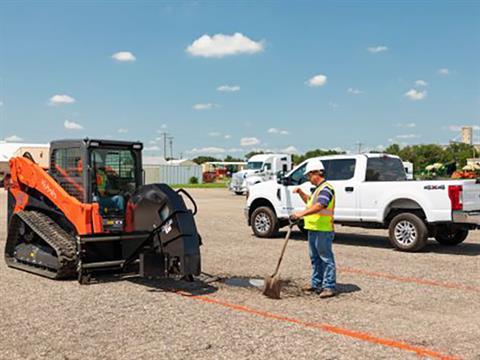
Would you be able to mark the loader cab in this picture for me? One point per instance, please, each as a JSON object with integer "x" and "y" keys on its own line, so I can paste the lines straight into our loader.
{"x": 99, "y": 171}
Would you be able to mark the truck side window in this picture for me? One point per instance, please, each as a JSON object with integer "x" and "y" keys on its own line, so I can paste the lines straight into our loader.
{"x": 66, "y": 168}
{"x": 297, "y": 177}
{"x": 341, "y": 169}
{"x": 385, "y": 169}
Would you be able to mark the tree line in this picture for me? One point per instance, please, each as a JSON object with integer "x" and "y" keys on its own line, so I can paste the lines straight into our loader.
{"x": 454, "y": 155}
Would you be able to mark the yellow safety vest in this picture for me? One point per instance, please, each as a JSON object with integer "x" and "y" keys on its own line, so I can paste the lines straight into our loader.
{"x": 323, "y": 220}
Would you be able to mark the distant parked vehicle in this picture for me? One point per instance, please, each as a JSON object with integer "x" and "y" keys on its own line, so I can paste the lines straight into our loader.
{"x": 372, "y": 191}
{"x": 260, "y": 168}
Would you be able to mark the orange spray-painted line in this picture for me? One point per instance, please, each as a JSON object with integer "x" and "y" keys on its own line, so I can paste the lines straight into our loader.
{"x": 325, "y": 327}
{"x": 404, "y": 279}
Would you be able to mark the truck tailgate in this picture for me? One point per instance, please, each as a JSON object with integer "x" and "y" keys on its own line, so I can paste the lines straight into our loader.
{"x": 471, "y": 196}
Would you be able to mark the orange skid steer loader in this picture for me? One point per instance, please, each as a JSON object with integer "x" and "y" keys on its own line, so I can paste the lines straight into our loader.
{"x": 90, "y": 212}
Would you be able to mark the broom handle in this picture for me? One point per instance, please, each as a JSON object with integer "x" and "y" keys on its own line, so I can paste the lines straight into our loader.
{"x": 283, "y": 249}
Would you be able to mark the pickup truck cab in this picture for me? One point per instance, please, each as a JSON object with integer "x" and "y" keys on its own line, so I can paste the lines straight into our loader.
{"x": 372, "y": 191}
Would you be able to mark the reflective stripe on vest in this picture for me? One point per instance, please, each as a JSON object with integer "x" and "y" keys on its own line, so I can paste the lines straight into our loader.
{"x": 323, "y": 220}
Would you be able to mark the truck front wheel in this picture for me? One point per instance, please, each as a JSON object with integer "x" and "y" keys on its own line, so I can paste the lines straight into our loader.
{"x": 447, "y": 235}
{"x": 408, "y": 232}
{"x": 264, "y": 222}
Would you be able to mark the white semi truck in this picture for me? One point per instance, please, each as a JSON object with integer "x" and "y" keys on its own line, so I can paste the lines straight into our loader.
{"x": 262, "y": 167}
{"x": 372, "y": 191}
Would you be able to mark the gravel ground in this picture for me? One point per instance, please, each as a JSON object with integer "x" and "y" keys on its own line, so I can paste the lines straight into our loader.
{"x": 428, "y": 301}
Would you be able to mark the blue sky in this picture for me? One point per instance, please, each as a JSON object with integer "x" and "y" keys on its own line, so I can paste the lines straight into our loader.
{"x": 380, "y": 72}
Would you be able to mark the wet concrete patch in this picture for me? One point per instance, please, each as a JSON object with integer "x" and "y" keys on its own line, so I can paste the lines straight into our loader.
{"x": 244, "y": 282}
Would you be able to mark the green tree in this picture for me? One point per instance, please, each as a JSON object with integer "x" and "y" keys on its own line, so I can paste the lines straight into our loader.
{"x": 202, "y": 159}
{"x": 297, "y": 159}
{"x": 232, "y": 159}
{"x": 252, "y": 153}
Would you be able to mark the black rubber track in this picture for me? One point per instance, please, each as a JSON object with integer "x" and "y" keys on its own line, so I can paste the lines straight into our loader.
{"x": 48, "y": 230}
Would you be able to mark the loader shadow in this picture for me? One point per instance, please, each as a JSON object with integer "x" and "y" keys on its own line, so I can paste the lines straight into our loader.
{"x": 382, "y": 242}
{"x": 187, "y": 288}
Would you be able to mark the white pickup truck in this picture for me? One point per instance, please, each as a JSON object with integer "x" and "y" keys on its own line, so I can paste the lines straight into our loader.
{"x": 372, "y": 192}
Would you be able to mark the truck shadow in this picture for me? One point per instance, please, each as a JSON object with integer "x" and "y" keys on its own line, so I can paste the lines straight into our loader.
{"x": 376, "y": 241}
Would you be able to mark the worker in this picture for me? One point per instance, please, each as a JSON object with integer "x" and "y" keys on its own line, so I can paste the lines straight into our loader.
{"x": 105, "y": 199}
{"x": 318, "y": 220}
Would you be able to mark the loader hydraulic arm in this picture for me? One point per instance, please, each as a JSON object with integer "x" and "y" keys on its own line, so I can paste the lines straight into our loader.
{"x": 27, "y": 174}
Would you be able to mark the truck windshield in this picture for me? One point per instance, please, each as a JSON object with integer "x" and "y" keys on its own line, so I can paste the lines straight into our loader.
{"x": 385, "y": 169}
{"x": 254, "y": 165}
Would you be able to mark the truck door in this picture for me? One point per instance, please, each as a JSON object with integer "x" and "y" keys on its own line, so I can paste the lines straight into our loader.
{"x": 293, "y": 202}
{"x": 340, "y": 174}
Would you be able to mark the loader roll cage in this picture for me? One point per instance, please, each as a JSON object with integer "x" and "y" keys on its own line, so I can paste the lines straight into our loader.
{"x": 75, "y": 165}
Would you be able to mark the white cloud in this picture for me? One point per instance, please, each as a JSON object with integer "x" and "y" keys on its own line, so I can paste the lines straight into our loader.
{"x": 444, "y": 71}
{"x": 122, "y": 131}
{"x": 353, "y": 91}
{"x": 220, "y": 45}
{"x": 1, "y": 103}
{"x": 124, "y": 56}
{"x": 333, "y": 104}
{"x": 61, "y": 99}
{"x": 278, "y": 131}
{"x": 206, "y": 106}
{"x": 317, "y": 80}
{"x": 407, "y": 136}
{"x": 13, "y": 138}
{"x": 290, "y": 150}
{"x": 207, "y": 150}
{"x": 227, "y": 136}
{"x": 71, "y": 125}
{"x": 249, "y": 141}
{"x": 377, "y": 49}
{"x": 416, "y": 95}
{"x": 228, "y": 88}
{"x": 152, "y": 148}
{"x": 421, "y": 83}
{"x": 214, "y": 133}
{"x": 407, "y": 125}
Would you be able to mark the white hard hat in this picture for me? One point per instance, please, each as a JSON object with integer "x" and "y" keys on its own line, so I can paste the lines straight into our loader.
{"x": 314, "y": 165}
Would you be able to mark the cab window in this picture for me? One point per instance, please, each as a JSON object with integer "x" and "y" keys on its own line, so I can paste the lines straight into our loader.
{"x": 297, "y": 177}
{"x": 340, "y": 169}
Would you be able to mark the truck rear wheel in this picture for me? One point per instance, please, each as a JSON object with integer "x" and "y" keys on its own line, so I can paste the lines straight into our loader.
{"x": 408, "y": 232}
{"x": 264, "y": 222}
{"x": 450, "y": 236}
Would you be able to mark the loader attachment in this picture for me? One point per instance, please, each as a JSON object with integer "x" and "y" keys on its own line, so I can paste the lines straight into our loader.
{"x": 160, "y": 236}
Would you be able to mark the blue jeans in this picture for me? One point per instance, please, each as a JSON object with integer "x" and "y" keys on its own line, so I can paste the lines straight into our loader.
{"x": 323, "y": 262}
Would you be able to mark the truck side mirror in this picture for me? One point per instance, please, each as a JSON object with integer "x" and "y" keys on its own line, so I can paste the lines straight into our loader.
{"x": 283, "y": 180}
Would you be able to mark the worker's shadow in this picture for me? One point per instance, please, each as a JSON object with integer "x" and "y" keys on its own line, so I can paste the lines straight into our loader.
{"x": 291, "y": 289}
{"x": 199, "y": 286}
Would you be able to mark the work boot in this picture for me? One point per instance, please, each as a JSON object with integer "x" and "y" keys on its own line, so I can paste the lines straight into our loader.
{"x": 327, "y": 293}
{"x": 311, "y": 289}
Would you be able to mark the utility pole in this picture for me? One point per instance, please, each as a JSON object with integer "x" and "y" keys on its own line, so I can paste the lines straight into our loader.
{"x": 359, "y": 144}
{"x": 164, "y": 136}
{"x": 170, "y": 141}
